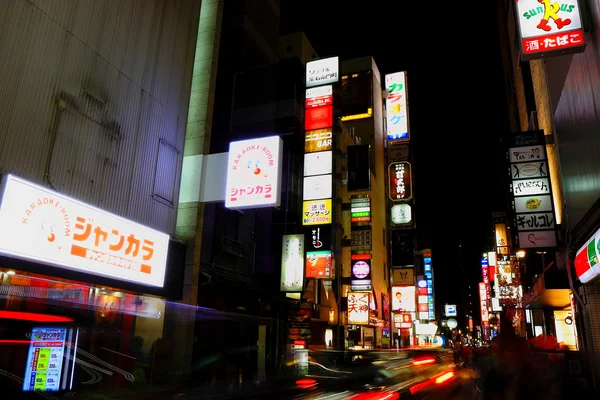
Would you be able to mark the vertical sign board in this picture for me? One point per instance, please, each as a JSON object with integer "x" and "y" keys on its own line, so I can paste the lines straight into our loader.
{"x": 317, "y": 207}
{"x": 396, "y": 105}
{"x": 428, "y": 273}
{"x": 549, "y": 28}
{"x": 400, "y": 181}
{"x": 292, "y": 263}
{"x": 531, "y": 190}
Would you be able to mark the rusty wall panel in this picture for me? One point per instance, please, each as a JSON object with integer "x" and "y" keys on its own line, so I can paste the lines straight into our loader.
{"x": 577, "y": 120}
{"x": 89, "y": 90}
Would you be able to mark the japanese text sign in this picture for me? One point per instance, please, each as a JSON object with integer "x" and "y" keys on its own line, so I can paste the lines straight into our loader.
{"x": 548, "y": 26}
{"x": 45, "y": 360}
{"x": 318, "y": 140}
{"x": 316, "y": 212}
{"x": 292, "y": 263}
{"x": 319, "y": 96}
{"x": 322, "y": 72}
{"x": 400, "y": 181}
{"x": 318, "y": 264}
{"x": 358, "y": 308}
{"x": 42, "y": 225}
{"x": 484, "y": 303}
{"x": 396, "y": 107}
{"x": 254, "y": 173}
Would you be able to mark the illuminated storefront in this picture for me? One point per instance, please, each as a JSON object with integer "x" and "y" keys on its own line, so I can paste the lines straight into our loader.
{"x": 82, "y": 292}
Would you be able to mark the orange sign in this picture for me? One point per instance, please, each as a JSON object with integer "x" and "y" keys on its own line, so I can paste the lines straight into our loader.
{"x": 48, "y": 227}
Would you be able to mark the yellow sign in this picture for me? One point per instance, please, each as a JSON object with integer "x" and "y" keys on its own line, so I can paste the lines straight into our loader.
{"x": 316, "y": 212}
{"x": 318, "y": 140}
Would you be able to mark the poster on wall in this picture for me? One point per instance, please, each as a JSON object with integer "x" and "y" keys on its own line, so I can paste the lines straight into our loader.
{"x": 45, "y": 359}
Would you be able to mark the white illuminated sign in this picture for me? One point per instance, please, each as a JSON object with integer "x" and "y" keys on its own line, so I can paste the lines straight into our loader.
{"x": 396, "y": 107}
{"x": 403, "y": 298}
{"x": 450, "y": 310}
{"x": 322, "y": 72}
{"x": 358, "y": 308}
{"x": 45, "y": 226}
{"x": 528, "y": 187}
{"x": 318, "y": 163}
{"x": 45, "y": 360}
{"x": 292, "y": 263}
{"x": 254, "y": 173}
{"x": 317, "y": 187}
{"x": 401, "y": 214}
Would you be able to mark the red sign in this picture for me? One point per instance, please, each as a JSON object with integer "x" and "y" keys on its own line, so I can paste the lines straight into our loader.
{"x": 318, "y": 118}
{"x": 318, "y": 264}
{"x": 556, "y": 41}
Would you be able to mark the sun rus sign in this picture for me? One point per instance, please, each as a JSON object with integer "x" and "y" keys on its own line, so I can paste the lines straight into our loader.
{"x": 47, "y": 227}
{"x": 254, "y": 173}
{"x": 549, "y": 27}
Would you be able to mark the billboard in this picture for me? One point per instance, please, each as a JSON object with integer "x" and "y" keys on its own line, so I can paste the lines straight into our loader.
{"x": 318, "y": 264}
{"x": 318, "y": 118}
{"x": 319, "y": 163}
{"x": 400, "y": 184}
{"x": 254, "y": 173}
{"x": 359, "y": 308}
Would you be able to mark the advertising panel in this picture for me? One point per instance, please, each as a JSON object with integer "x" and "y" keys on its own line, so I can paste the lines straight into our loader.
{"x": 401, "y": 214}
{"x": 403, "y": 276}
{"x": 360, "y": 209}
{"x": 322, "y": 72}
{"x": 318, "y": 118}
{"x": 361, "y": 269}
{"x": 319, "y": 96}
{"x": 396, "y": 107}
{"x": 318, "y": 140}
{"x": 316, "y": 212}
{"x": 254, "y": 173}
{"x": 45, "y": 360}
{"x": 403, "y": 299}
{"x": 50, "y": 228}
{"x": 534, "y": 218}
{"x": 359, "y": 308}
{"x": 549, "y": 27}
{"x": 318, "y": 187}
{"x": 527, "y": 153}
{"x": 537, "y": 169}
{"x": 292, "y": 263}
{"x": 319, "y": 163}
{"x": 537, "y": 239}
{"x": 318, "y": 264}
{"x": 362, "y": 238}
{"x": 528, "y": 187}
{"x": 450, "y": 310}
{"x": 400, "y": 181}
{"x": 484, "y": 304}
{"x": 317, "y": 237}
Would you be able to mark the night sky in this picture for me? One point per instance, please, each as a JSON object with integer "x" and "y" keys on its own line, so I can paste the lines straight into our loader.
{"x": 457, "y": 109}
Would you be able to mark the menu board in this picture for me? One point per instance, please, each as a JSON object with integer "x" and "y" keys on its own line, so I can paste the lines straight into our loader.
{"x": 45, "y": 360}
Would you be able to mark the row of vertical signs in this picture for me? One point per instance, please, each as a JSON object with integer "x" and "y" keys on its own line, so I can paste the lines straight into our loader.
{"x": 309, "y": 254}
